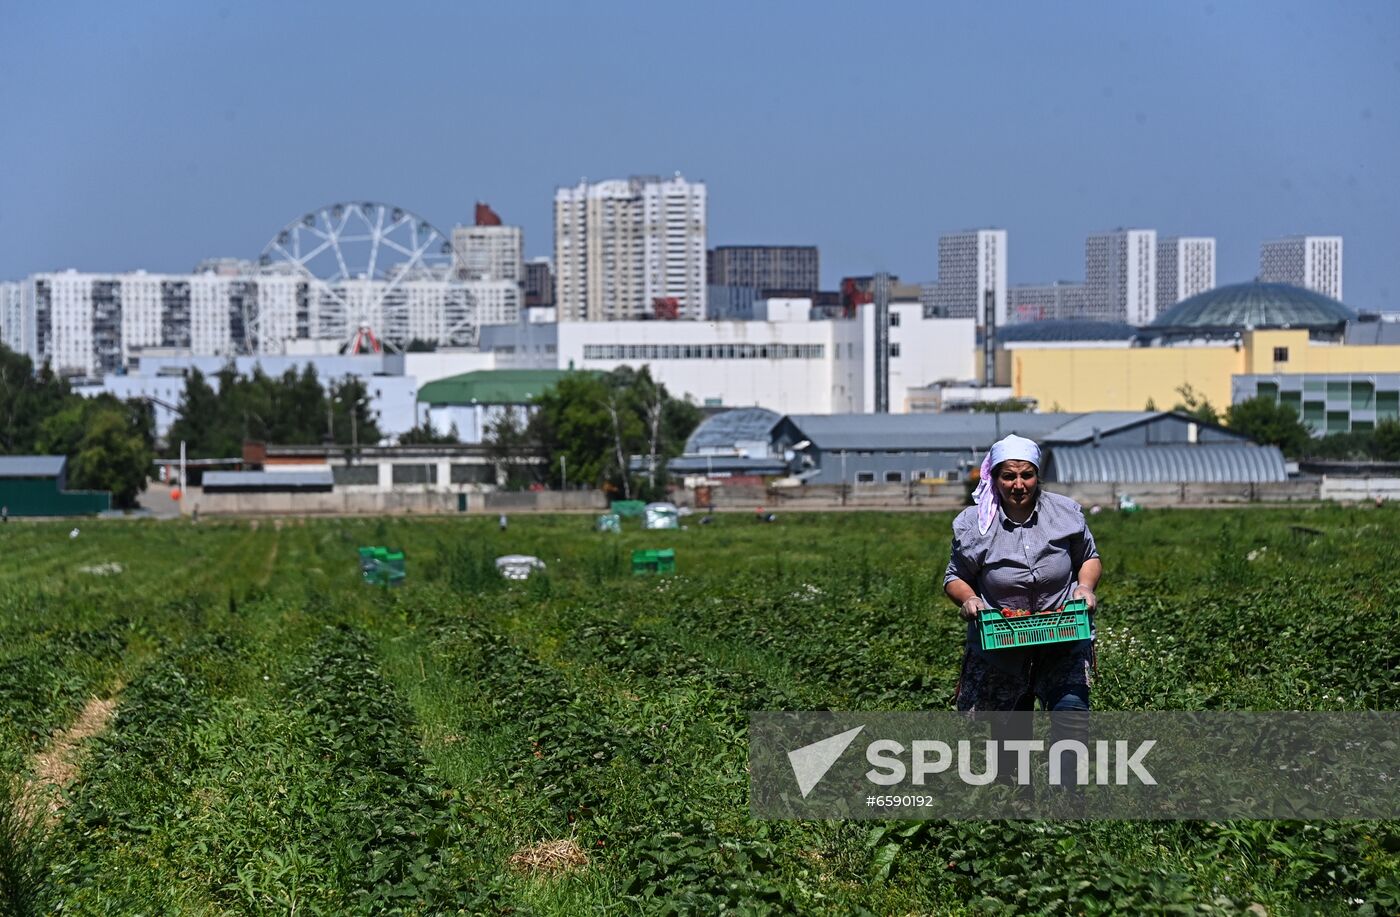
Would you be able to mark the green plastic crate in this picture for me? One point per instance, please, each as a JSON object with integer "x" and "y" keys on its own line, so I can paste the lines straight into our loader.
{"x": 381, "y": 567}
{"x": 657, "y": 561}
{"x": 1069, "y": 623}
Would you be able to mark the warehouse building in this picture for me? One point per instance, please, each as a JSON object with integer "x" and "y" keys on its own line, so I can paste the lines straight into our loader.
{"x": 35, "y": 485}
{"x": 1145, "y": 446}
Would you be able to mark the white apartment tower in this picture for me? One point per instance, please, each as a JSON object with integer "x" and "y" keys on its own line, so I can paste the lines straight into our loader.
{"x": 1185, "y": 267}
{"x": 1311, "y": 262}
{"x": 1120, "y": 275}
{"x": 489, "y": 253}
{"x": 13, "y": 329}
{"x": 624, "y": 249}
{"x": 970, "y": 264}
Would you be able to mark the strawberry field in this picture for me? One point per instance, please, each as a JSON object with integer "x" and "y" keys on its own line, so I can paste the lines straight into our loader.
{"x": 279, "y": 737}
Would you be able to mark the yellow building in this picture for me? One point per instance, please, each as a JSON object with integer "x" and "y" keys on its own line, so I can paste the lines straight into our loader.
{"x": 1219, "y": 334}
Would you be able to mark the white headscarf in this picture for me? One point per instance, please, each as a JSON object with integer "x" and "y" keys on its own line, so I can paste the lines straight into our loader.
{"x": 1011, "y": 448}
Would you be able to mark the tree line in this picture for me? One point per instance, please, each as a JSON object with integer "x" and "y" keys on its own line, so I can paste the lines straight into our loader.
{"x": 295, "y": 408}
{"x": 1270, "y": 423}
{"x": 110, "y": 443}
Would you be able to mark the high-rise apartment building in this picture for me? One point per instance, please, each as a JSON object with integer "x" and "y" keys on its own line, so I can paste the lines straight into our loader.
{"x": 1036, "y": 302}
{"x": 1185, "y": 267}
{"x": 489, "y": 252}
{"x": 969, "y": 265}
{"x": 539, "y": 283}
{"x": 90, "y": 325}
{"x": 791, "y": 268}
{"x": 12, "y": 325}
{"x": 1311, "y": 262}
{"x": 1120, "y": 275}
{"x": 627, "y": 249}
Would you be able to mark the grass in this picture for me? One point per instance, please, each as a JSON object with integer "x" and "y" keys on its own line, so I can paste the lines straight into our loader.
{"x": 291, "y": 740}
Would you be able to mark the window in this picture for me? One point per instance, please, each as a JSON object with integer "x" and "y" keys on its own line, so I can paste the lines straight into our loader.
{"x": 894, "y": 477}
{"x": 894, "y": 350}
{"x": 865, "y": 477}
{"x": 894, "y": 319}
{"x": 1267, "y": 390}
{"x": 1280, "y": 354}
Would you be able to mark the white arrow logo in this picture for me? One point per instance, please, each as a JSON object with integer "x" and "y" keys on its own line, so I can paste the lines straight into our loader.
{"x": 811, "y": 762}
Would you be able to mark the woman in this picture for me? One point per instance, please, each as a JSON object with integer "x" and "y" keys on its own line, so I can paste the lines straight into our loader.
{"x": 1020, "y": 547}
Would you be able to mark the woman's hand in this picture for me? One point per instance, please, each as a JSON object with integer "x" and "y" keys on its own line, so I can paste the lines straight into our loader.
{"x": 1087, "y": 594}
{"x": 969, "y": 609}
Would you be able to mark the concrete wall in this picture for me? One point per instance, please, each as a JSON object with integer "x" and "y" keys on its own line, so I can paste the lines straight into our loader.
{"x": 747, "y": 498}
{"x": 367, "y": 501}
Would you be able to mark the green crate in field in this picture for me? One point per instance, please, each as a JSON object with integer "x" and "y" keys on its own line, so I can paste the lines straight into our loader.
{"x": 381, "y": 567}
{"x": 1000, "y": 632}
{"x": 657, "y": 561}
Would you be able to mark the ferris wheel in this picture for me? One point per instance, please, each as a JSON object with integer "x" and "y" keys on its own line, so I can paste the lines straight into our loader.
{"x": 359, "y": 274}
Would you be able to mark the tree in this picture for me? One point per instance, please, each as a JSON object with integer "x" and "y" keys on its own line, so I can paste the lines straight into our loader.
{"x": 425, "y": 435}
{"x": 1196, "y": 404}
{"x": 595, "y": 423}
{"x": 507, "y": 440}
{"x": 353, "y": 421}
{"x": 108, "y": 443}
{"x": 1269, "y": 423}
{"x": 26, "y": 399}
{"x": 1385, "y": 441}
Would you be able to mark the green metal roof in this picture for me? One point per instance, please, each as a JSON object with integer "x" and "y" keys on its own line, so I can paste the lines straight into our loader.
{"x": 490, "y": 386}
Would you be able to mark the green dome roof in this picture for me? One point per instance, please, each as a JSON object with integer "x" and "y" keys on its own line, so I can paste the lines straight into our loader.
{"x": 1256, "y": 305}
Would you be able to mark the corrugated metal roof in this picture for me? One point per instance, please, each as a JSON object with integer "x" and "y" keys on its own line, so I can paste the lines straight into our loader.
{"x": 920, "y": 431}
{"x": 491, "y": 386}
{"x": 724, "y": 430}
{"x": 1080, "y": 427}
{"x": 31, "y": 466}
{"x": 1373, "y": 332}
{"x": 286, "y": 480}
{"x": 1224, "y": 463}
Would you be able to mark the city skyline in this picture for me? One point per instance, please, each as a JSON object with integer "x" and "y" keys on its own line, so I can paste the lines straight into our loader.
{"x": 1158, "y": 117}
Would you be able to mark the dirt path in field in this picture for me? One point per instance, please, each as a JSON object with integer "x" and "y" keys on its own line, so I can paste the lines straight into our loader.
{"x": 271, "y": 563}
{"x": 57, "y": 764}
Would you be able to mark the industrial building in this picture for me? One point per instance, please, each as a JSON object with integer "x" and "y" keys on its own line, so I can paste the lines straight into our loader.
{"x": 789, "y": 362}
{"x": 1241, "y": 330}
{"x": 1146, "y": 446}
{"x": 36, "y": 485}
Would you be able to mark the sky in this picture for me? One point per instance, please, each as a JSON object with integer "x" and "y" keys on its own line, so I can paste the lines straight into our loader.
{"x": 155, "y": 134}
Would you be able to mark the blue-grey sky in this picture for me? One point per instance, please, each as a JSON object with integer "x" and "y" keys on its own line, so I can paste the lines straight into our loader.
{"x": 156, "y": 133}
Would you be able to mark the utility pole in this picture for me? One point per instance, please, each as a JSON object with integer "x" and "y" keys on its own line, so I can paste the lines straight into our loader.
{"x": 564, "y": 471}
{"x": 183, "y": 485}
